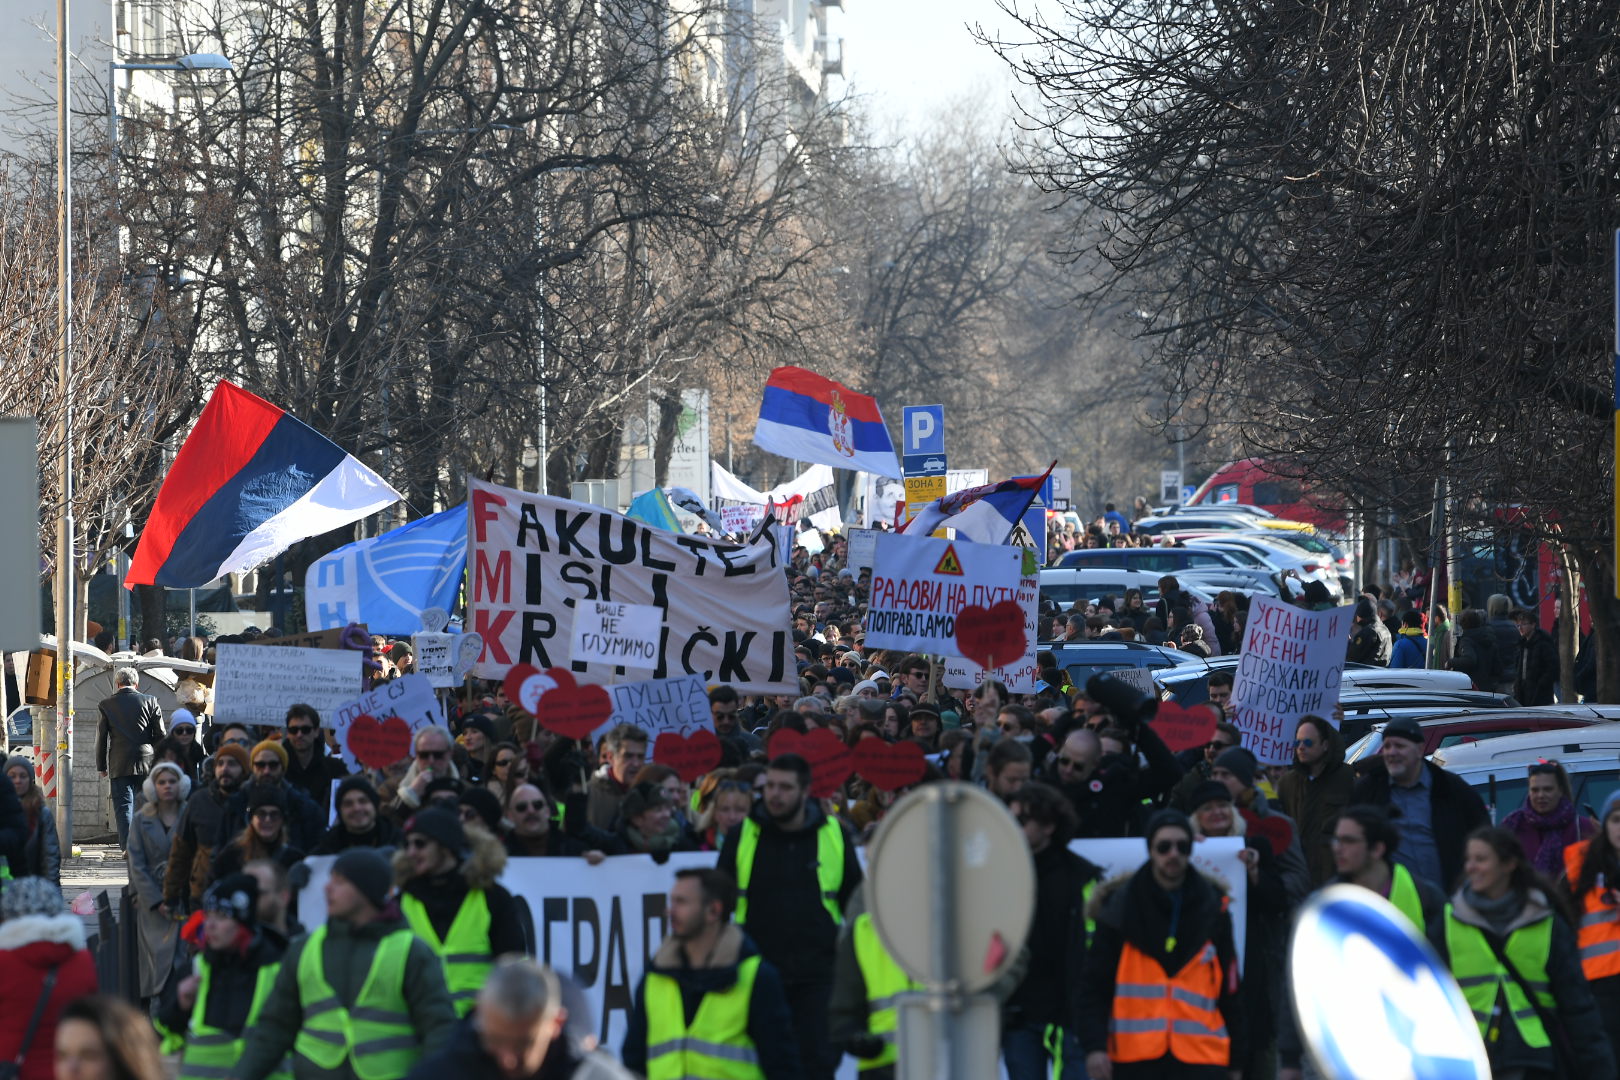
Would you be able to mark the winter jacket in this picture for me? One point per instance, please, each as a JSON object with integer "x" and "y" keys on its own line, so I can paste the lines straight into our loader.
{"x": 233, "y": 979}
{"x": 1282, "y": 835}
{"x": 1576, "y": 1011}
{"x": 130, "y": 724}
{"x": 305, "y": 821}
{"x": 786, "y": 917}
{"x": 1475, "y": 656}
{"x": 442, "y": 894}
{"x": 315, "y": 779}
{"x": 1057, "y": 942}
{"x": 41, "y": 852}
{"x": 30, "y": 946}
{"x": 770, "y": 1026}
{"x": 346, "y": 958}
{"x": 1133, "y": 908}
{"x": 1455, "y": 810}
{"x": 1106, "y": 801}
{"x": 564, "y": 843}
{"x": 1369, "y": 644}
{"x": 464, "y": 1056}
{"x": 159, "y": 933}
{"x": 1506, "y": 634}
{"x": 1411, "y": 649}
{"x": 191, "y": 853}
{"x": 13, "y": 826}
{"x": 604, "y": 794}
{"x": 383, "y": 834}
{"x": 235, "y": 855}
{"x": 1538, "y": 669}
{"x": 1314, "y": 804}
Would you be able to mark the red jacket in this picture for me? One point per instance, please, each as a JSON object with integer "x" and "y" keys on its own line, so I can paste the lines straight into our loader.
{"x": 29, "y": 947}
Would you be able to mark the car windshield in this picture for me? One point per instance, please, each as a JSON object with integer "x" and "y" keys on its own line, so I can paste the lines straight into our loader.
{"x": 1067, "y": 594}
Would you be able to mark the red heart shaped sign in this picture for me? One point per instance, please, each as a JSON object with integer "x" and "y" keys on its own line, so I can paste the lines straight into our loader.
{"x": 689, "y": 755}
{"x": 830, "y": 760}
{"x": 379, "y": 744}
{"x": 991, "y": 636}
{"x": 571, "y": 710}
{"x": 889, "y": 766}
{"x": 1274, "y": 830}
{"x": 525, "y": 684}
{"x": 1182, "y": 729}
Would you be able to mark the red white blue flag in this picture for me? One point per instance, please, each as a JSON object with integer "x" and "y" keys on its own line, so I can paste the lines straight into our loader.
{"x": 985, "y": 514}
{"x": 249, "y": 482}
{"x": 810, "y": 418}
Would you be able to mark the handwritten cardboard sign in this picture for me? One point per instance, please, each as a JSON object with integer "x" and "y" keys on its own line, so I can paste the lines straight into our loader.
{"x": 625, "y": 635}
{"x": 1290, "y": 666}
{"x": 254, "y": 685}
{"x": 921, "y": 586}
{"x": 374, "y": 724}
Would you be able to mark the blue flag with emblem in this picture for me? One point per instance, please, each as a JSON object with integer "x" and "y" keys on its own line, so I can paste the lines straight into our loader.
{"x": 386, "y": 581}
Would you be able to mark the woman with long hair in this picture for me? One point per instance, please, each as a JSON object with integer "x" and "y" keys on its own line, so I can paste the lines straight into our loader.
{"x": 103, "y": 1038}
{"x": 508, "y": 767}
{"x": 723, "y": 803}
{"x": 151, "y": 833}
{"x": 266, "y": 835}
{"x": 1592, "y": 869}
{"x": 1511, "y": 948}
{"x": 1548, "y": 822}
{"x": 42, "y": 853}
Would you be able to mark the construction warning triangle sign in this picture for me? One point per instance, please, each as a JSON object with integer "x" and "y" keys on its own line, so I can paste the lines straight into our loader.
{"x": 948, "y": 562}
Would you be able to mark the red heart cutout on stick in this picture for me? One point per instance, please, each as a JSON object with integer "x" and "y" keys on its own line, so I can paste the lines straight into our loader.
{"x": 830, "y": 760}
{"x": 689, "y": 755}
{"x": 377, "y": 744}
{"x": 991, "y": 636}
{"x": 1182, "y": 729}
{"x": 889, "y": 766}
{"x": 1273, "y": 830}
{"x": 525, "y": 684}
{"x": 568, "y": 709}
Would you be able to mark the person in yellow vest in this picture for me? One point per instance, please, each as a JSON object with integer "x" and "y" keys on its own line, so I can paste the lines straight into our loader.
{"x": 1592, "y": 877}
{"x": 359, "y": 998}
{"x": 212, "y": 1008}
{"x": 710, "y": 1007}
{"x": 863, "y": 1012}
{"x": 448, "y": 895}
{"x": 1514, "y": 956}
{"x": 1158, "y": 997}
{"x": 1364, "y": 843}
{"x": 795, "y": 869}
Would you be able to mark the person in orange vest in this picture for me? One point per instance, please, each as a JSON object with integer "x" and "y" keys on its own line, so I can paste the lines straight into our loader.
{"x": 1592, "y": 876}
{"x": 1159, "y": 991}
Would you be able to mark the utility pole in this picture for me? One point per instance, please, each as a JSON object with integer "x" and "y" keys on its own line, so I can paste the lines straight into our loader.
{"x": 66, "y": 587}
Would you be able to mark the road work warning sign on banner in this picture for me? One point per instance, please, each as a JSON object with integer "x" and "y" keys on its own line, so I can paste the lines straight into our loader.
{"x": 1289, "y": 667}
{"x": 920, "y": 585}
{"x": 535, "y": 561}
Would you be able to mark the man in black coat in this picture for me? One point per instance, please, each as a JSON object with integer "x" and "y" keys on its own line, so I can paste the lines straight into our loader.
{"x": 309, "y": 766}
{"x": 130, "y": 725}
{"x": 1538, "y": 661}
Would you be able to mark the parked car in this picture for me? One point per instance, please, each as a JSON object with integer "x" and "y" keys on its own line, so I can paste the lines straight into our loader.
{"x": 1470, "y": 726}
{"x": 1246, "y": 580}
{"x": 1365, "y": 707}
{"x": 1280, "y": 555}
{"x": 1497, "y": 768}
{"x": 1206, "y": 509}
{"x": 1083, "y": 659}
{"x": 1194, "y": 522}
{"x": 1158, "y": 560}
{"x": 1066, "y": 586}
{"x": 1188, "y": 684}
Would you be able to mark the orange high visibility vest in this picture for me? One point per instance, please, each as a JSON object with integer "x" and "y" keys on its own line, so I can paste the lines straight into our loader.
{"x": 1599, "y": 937}
{"x": 1155, "y": 1014}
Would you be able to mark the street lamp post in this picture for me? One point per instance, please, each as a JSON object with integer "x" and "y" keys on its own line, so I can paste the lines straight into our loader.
{"x": 189, "y": 62}
{"x": 65, "y": 587}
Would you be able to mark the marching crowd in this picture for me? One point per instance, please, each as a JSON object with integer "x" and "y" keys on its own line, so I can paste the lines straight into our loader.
{"x": 771, "y": 967}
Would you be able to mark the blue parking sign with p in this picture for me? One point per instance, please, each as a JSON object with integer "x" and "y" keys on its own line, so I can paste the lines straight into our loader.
{"x": 924, "y": 429}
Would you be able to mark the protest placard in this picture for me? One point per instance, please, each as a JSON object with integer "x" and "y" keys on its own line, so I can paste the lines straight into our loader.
{"x": 1022, "y": 677}
{"x": 382, "y": 722}
{"x": 318, "y": 639}
{"x": 1289, "y": 667}
{"x": 922, "y": 585}
{"x": 862, "y": 548}
{"x": 256, "y": 686}
{"x": 609, "y": 632}
{"x": 537, "y": 559}
{"x": 659, "y": 705}
{"x": 741, "y": 520}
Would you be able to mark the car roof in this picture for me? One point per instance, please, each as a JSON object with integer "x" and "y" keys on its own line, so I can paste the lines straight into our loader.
{"x": 1592, "y": 742}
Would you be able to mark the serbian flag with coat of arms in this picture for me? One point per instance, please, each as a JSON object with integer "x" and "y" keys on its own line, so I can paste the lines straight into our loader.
{"x": 811, "y": 418}
{"x": 985, "y": 514}
{"x": 250, "y": 481}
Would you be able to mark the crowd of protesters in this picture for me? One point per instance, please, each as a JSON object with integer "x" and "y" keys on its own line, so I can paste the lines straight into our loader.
{"x": 771, "y": 967}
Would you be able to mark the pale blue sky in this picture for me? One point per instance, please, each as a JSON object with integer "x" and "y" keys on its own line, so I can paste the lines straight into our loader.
{"x": 912, "y": 59}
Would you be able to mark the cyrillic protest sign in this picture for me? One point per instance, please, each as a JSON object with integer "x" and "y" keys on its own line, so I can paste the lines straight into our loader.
{"x": 1024, "y": 676}
{"x": 253, "y": 685}
{"x": 862, "y": 549}
{"x": 536, "y": 559}
{"x": 613, "y": 633}
{"x": 1289, "y": 667}
{"x": 680, "y": 705}
{"x": 921, "y": 584}
{"x": 398, "y": 710}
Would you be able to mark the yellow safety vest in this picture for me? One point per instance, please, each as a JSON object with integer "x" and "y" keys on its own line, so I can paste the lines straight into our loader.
{"x": 1403, "y": 893}
{"x": 1485, "y": 980}
{"x": 829, "y": 866}
{"x": 884, "y": 980}
{"x": 716, "y": 1046}
{"x": 211, "y": 1053}
{"x": 465, "y": 949}
{"x": 376, "y": 1034}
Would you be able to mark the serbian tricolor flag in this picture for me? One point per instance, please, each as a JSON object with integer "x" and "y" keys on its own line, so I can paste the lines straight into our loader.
{"x": 986, "y": 514}
{"x": 249, "y": 482}
{"x": 810, "y": 418}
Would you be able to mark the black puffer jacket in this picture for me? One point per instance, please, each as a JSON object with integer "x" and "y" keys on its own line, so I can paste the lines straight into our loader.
{"x": 233, "y": 976}
{"x": 1057, "y": 941}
